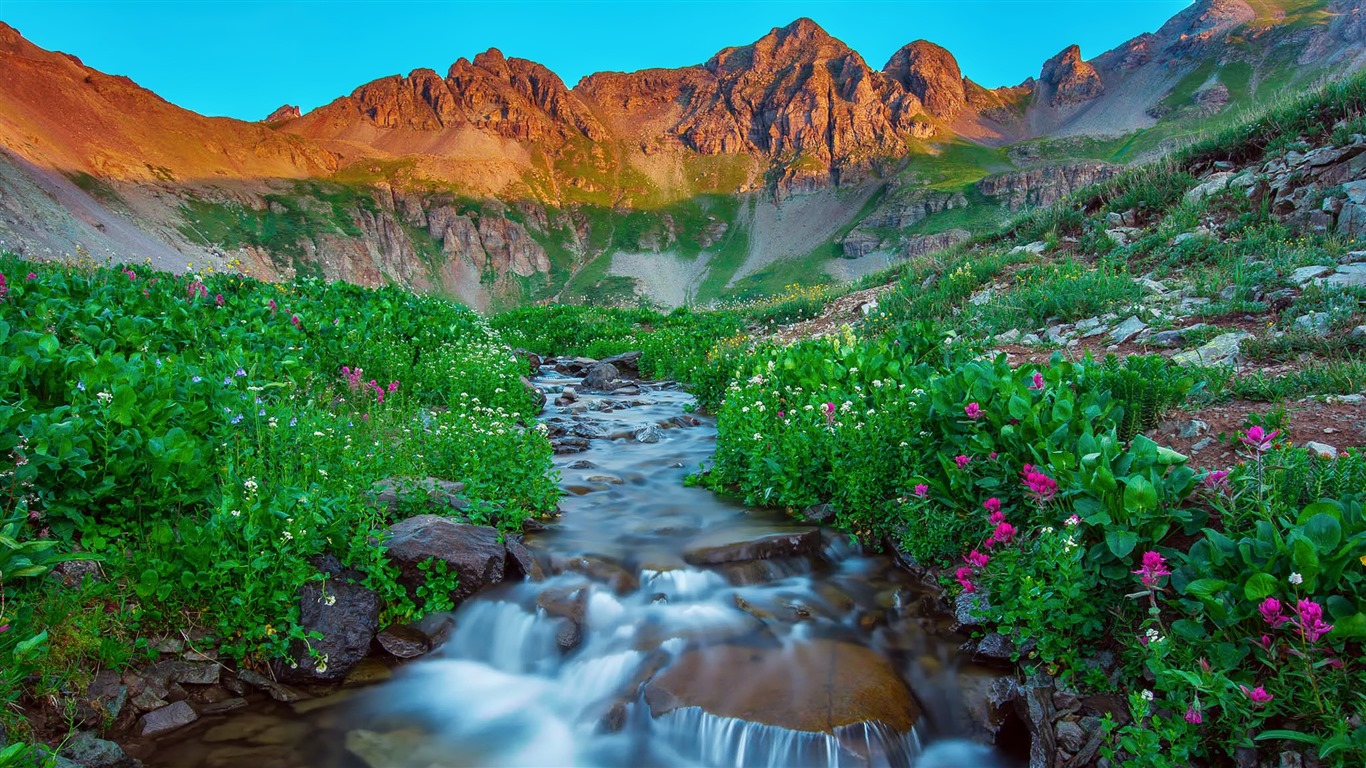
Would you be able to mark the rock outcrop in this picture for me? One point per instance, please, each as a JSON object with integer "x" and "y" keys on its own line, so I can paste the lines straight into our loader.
{"x": 1069, "y": 80}
{"x": 930, "y": 73}
{"x": 282, "y": 113}
{"x": 1045, "y": 185}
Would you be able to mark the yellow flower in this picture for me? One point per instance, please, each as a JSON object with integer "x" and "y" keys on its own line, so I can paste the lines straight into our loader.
{"x": 1363, "y": 559}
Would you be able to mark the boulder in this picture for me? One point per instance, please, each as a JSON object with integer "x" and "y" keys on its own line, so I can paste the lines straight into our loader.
{"x": 1348, "y": 275}
{"x": 471, "y": 552}
{"x": 1304, "y": 275}
{"x": 533, "y": 360}
{"x": 573, "y": 366}
{"x": 403, "y": 641}
{"x": 1221, "y": 350}
{"x": 1317, "y": 323}
{"x": 1322, "y": 450}
{"x": 521, "y": 564}
{"x": 648, "y": 433}
{"x": 626, "y": 363}
{"x": 166, "y": 719}
{"x": 344, "y": 613}
{"x": 816, "y": 686}
{"x": 92, "y": 752}
{"x": 1127, "y": 330}
{"x": 602, "y": 377}
{"x": 796, "y": 543}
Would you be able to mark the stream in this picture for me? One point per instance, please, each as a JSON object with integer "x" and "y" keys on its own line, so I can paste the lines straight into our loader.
{"x": 674, "y": 628}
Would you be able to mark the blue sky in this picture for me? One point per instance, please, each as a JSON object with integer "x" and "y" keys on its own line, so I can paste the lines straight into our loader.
{"x": 243, "y": 59}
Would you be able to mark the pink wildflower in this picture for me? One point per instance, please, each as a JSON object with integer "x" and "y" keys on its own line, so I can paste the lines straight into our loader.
{"x": 1193, "y": 715}
{"x": 1042, "y": 487}
{"x": 1154, "y": 568}
{"x": 272, "y": 306}
{"x": 1073, "y": 521}
{"x": 977, "y": 559}
{"x": 1002, "y": 535}
{"x": 32, "y": 276}
{"x": 4, "y": 627}
{"x": 4, "y": 286}
{"x": 992, "y": 504}
{"x": 1309, "y": 618}
{"x": 1037, "y": 386}
{"x": 973, "y": 411}
{"x": 781, "y": 414}
{"x": 964, "y": 577}
{"x": 962, "y": 461}
{"x": 997, "y": 517}
{"x": 922, "y": 490}
{"x": 296, "y": 322}
{"x": 393, "y": 386}
{"x": 829, "y": 413}
{"x": 1259, "y": 439}
{"x": 1271, "y": 612}
{"x": 1257, "y": 695}
{"x": 1265, "y": 642}
{"x": 218, "y": 299}
{"x": 1217, "y": 480}
{"x": 992, "y": 455}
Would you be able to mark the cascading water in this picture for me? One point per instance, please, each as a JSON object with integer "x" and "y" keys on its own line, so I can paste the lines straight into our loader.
{"x": 679, "y": 629}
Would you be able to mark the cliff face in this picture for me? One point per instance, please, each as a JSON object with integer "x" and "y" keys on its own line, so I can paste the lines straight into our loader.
{"x": 932, "y": 75}
{"x": 1068, "y": 80}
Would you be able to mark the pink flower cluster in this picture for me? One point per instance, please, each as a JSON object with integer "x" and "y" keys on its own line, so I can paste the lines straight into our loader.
{"x": 1259, "y": 439}
{"x": 1217, "y": 480}
{"x": 1037, "y": 385}
{"x": 973, "y": 411}
{"x": 196, "y": 290}
{"x": 1257, "y": 695}
{"x": 829, "y": 409}
{"x": 4, "y": 286}
{"x": 1004, "y": 533}
{"x": 1042, "y": 487}
{"x": 355, "y": 381}
{"x": 1308, "y": 619}
{"x": 1153, "y": 570}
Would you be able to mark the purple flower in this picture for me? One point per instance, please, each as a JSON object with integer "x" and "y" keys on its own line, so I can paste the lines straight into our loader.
{"x": 1271, "y": 612}
{"x": 1193, "y": 715}
{"x": 1037, "y": 386}
{"x": 1259, "y": 439}
{"x": 1217, "y": 480}
{"x": 962, "y": 461}
{"x": 241, "y": 372}
{"x": 922, "y": 490}
{"x": 31, "y": 276}
{"x": 1257, "y": 695}
{"x": 973, "y": 411}
{"x": 1309, "y": 618}
{"x": 195, "y": 379}
{"x": 1154, "y": 568}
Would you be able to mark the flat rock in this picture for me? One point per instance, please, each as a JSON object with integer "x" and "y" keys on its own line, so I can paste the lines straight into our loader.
{"x": 1304, "y": 275}
{"x": 1127, "y": 330}
{"x": 716, "y": 550}
{"x": 1322, "y": 450}
{"x": 166, "y": 719}
{"x": 1221, "y": 350}
{"x": 1347, "y": 276}
{"x": 815, "y": 686}
{"x": 403, "y": 642}
{"x": 472, "y": 552}
{"x": 92, "y": 752}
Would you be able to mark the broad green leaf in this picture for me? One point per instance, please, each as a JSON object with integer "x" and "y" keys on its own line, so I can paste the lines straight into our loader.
{"x": 1260, "y": 586}
{"x": 1121, "y": 542}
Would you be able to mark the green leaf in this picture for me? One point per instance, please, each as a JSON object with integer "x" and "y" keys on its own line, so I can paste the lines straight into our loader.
{"x": 1205, "y": 587}
{"x": 1325, "y": 531}
{"x": 1260, "y": 586}
{"x": 1139, "y": 494}
{"x": 1121, "y": 542}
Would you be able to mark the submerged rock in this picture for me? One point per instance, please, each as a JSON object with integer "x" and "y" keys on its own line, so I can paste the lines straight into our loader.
{"x": 797, "y": 543}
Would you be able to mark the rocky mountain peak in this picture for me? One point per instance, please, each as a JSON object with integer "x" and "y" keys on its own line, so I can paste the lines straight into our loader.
{"x": 932, "y": 74}
{"x": 283, "y": 112}
{"x": 1070, "y": 79}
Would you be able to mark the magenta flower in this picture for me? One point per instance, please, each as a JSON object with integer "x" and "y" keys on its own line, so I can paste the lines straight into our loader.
{"x": 781, "y": 414}
{"x": 1073, "y": 521}
{"x": 992, "y": 455}
{"x": 1193, "y": 715}
{"x": 296, "y": 322}
{"x": 1042, "y": 487}
{"x": 1266, "y": 643}
{"x": 1002, "y": 535}
{"x": 1037, "y": 386}
{"x": 829, "y": 413}
{"x": 977, "y": 559}
{"x": 962, "y": 461}
{"x": 1309, "y": 618}
{"x": 1154, "y": 568}
{"x": 922, "y": 490}
{"x": 997, "y": 517}
{"x": 1259, "y": 439}
{"x": 1257, "y": 695}
{"x": 992, "y": 504}
{"x": 973, "y": 411}
{"x": 4, "y": 627}
{"x": 218, "y": 299}
{"x": 1271, "y": 612}
{"x": 964, "y": 577}
{"x": 32, "y": 276}
{"x": 1217, "y": 480}
{"x": 4, "y": 286}
{"x": 272, "y": 306}
{"x": 393, "y": 386}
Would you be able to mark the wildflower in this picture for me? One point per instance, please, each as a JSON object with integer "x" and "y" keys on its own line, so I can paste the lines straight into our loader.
{"x": 195, "y": 379}
{"x": 4, "y": 627}
{"x": 272, "y": 306}
{"x": 1257, "y": 695}
{"x": 1154, "y": 568}
{"x": 1216, "y": 480}
{"x": 992, "y": 505}
{"x": 1193, "y": 714}
{"x": 218, "y": 299}
{"x": 1037, "y": 386}
{"x": 241, "y": 372}
{"x": 1309, "y": 618}
{"x": 296, "y": 322}
{"x": 1073, "y": 521}
{"x": 1296, "y": 579}
{"x": 973, "y": 411}
{"x": 1259, "y": 439}
{"x": 4, "y": 286}
{"x": 922, "y": 490}
{"x": 1271, "y": 612}
{"x": 105, "y": 397}
{"x": 992, "y": 456}
{"x": 80, "y": 385}
{"x": 977, "y": 559}
{"x": 1042, "y": 487}
{"x": 1147, "y": 695}
{"x": 997, "y": 517}
{"x": 829, "y": 413}
{"x": 962, "y": 461}
{"x": 393, "y": 386}
{"x": 237, "y": 419}
{"x": 964, "y": 577}
{"x": 1265, "y": 642}
{"x": 1003, "y": 534}
{"x": 236, "y": 513}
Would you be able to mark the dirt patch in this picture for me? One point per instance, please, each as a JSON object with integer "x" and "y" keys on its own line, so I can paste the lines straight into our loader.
{"x": 1336, "y": 423}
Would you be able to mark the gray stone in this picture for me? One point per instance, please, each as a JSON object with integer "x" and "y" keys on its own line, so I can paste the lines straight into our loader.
{"x": 1356, "y": 191}
{"x": 995, "y": 647}
{"x": 1058, "y": 333}
{"x": 278, "y": 691}
{"x": 92, "y": 752}
{"x": 1191, "y": 427}
{"x": 1229, "y": 293}
{"x": 1152, "y": 286}
{"x": 226, "y": 705}
{"x": 403, "y": 641}
{"x": 626, "y": 363}
{"x": 473, "y": 553}
{"x": 978, "y": 298}
{"x": 345, "y": 614}
{"x": 1352, "y": 220}
{"x": 1030, "y": 339}
{"x": 1070, "y": 736}
{"x": 648, "y": 433}
{"x": 1314, "y": 322}
{"x": 439, "y": 496}
{"x": 1221, "y": 350}
{"x": 166, "y": 719}
{"x": 1303, "y": 275}
{"x": 1008, "y": 337}
{"x": 1348, "y": 275}
{"x": 1127, "y": 330}
{"x": 969, "y": 609}
{"x": 1214, "y": 183}
{"x": 1088, "y": 324}
{"x": 1358, "y": 333}
{"x": 601, "y": 377}
{"x": 1035, "y": 248}
{"x": 1202, "y": 445}
{"x": 1322, "y": 450}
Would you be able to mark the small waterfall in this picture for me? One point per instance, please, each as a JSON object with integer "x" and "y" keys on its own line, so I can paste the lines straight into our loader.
{"x": 727, "y": 741}
{"x": 503, "y": 635}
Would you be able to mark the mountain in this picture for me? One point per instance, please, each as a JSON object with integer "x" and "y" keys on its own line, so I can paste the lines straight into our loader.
{"x": 497, "y": 183}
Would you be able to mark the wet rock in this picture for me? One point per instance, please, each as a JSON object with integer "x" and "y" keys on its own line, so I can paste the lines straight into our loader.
{"x": 685, "y": 420}
{"x": 618, "y": 578}
{"x": 277, "y": 691}
{"x": 443, "y": 497}
{"x": 567, "y": 395}
{"x": 568, "y": 635}
{"x": 605, "y": 479}
{"x": 148, "y": 700}
{"x": 226, "y": 705}
{"x": 533, "y": 360}
{"x": 624, "y": 390}
{"x": 471, "y": 552}
{"x": 166, "y": 719}
{"x": 816, "y": 686}
{"x": 818, "y": 513}
{"x": 345, "y": 613}
{"x": 177, "y": 671}
{"x": 537, "y": 395}
{"x": 1070, "y": 736}
{"x": 589, "y": 429}
{"x": 601, "y": 377}
{"x": 648, "y": 433}
{"x": 521, "y": 564}
{"x": 795, "y": 543}
{"x": 627, "y": 364}
{"x": 581, "y": 464}
{"x": 562, "y": 445}
{"x": 969, "y": 609}
{"x": 995, "y": 647}
{"x": 573, "y": 366}
{"x": 403, "y": 641}
{"x": 92, "y": 752}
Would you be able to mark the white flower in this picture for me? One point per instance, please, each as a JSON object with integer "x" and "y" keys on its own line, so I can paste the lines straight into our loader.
{"x": 1147, "y": 695}
{"x": 1295, "y": 578}
{"x": 758, "y": 436}
{"x": 105, "y": 397}
{"x": 236, "y": 513}
{"x": 250, "y": 486}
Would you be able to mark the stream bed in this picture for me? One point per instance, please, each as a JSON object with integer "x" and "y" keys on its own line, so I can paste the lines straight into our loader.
{"x": 673, "y": 628}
